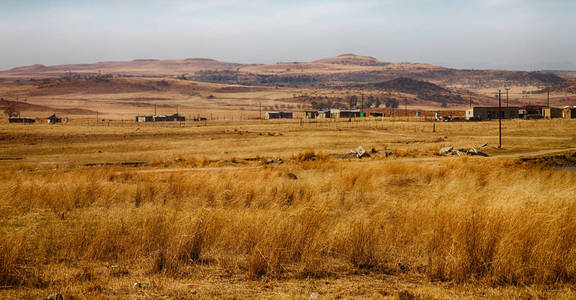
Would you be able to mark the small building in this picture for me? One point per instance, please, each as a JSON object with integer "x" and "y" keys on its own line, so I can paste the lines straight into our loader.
{"x": 154, "y": 118}
{"x": 569, "y": 112}
{"x": 552, "y": 112}
{"x": 140, "y": 119}
{"x": 278, "y": 115}
{"x": 345, "y": 113}
{"x": 311, "y": 114}
{"x": 53, "y": 119}
{"x": 529, "y": 112}
{"x": 21, "y": 120}
{"x": 324, "y": 114}
{"x": 480, "y": 113}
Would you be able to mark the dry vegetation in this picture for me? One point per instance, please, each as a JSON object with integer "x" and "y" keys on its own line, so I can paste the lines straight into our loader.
{"x": 195, "y": 224}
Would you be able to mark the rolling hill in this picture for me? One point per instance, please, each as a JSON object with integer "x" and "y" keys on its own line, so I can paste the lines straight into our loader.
{"x": 341, "y": 70}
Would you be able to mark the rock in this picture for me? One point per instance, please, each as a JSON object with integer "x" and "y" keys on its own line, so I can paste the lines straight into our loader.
{"x": 280, "y": 161}
{"x": 445, "y": 150}
{"x": 55, "y": 296}
{"x": 386, "y": 154}
{"x": 292, "y": 176}
{"x": 314, "y": 295}
{"x": 139, "y": 285}
{"x": 474, "y": 151}
{"x": 373, "y": 151}
{"x": 269, "y": 161}
{"x": 351, "y": 154}
{"x": 359, "y": 152}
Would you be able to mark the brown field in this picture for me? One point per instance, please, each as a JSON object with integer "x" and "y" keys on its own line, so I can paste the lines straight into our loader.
{"x": 239, "y": 207}
{"x": 124, "y": 210}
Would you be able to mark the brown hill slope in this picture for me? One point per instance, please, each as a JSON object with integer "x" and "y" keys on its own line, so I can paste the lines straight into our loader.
{"x": 342, "y": 70}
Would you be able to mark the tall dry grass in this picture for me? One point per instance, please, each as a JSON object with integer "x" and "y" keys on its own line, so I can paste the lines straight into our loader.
{"x": 460, "y": 220}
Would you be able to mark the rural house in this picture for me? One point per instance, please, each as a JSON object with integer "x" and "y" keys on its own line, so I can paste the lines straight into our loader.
{"x": 552, "y": 112}
{"x": 480, "y": 113}
{"x": 278, "y": 115}
{"x": 53, "y": 119}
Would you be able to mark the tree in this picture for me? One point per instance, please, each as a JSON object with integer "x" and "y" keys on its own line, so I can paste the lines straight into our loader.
{"x": 353, "y": 101}
{"x": 11, "y": 110}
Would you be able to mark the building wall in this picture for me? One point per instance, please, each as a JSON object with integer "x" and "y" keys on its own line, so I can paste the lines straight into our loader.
{"x": 569, "y": 113}
{"x": 552, "y": 112}
{"x": 489, "y": 113}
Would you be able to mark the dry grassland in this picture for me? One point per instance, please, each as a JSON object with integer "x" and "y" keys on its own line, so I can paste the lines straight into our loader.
{"x": 199, "y": 220}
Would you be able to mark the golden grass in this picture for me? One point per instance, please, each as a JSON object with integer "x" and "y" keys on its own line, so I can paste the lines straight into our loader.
{"x": 249, "y": 229}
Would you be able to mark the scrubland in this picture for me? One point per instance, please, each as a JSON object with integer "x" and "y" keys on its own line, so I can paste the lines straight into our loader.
{"x": 188, "y": 225}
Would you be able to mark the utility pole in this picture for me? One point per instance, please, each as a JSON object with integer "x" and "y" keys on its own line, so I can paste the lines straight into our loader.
{"x": 548, "y": 96}
{"x": 96, "y": 117}
{"x": 260, "y": 114}
{"x": 362, "y": 105}
{"x": 470, "y": 93}
{"x": 499, "y": 119}
{"x": 507, "y": 89}
{"x": 406, "y": 108}
{"x": 154, "y": 109}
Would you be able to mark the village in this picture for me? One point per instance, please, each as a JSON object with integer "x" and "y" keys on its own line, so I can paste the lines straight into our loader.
{"x": 477, "y": 113}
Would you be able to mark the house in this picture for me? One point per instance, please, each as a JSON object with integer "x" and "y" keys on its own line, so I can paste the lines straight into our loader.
{"x": 21, "y": 120}
{"x": 480, "y": 113}
{"x": 345, "y": 113}
{"x": 53, "y": 119}
{"x": 311, "y": 114}
{"x": 569, "y": 112}
{"x": 278, "y": 115}
{"x": 531, "y": 111}
{"x": 324, "y": 114}
{"x": 552, "y": 112}
{"x": 154, "y": 118}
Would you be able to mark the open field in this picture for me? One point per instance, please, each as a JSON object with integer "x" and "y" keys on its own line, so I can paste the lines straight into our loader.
{"x": 194, "y": 210}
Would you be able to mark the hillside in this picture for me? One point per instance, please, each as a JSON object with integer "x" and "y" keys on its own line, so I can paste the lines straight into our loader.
{"x": 342, "y": 70}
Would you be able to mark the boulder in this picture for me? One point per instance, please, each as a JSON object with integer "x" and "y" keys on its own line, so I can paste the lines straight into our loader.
{"x": 445, "y": 150}
{"x": 55, "y": 296}
{"x": 292, "y": 176}
{"x": 360, "y": 152}
{"x": 474, "y": 151}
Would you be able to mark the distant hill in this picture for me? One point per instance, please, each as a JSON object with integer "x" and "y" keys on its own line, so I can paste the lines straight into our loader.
{"x": 418, "y": 89}
{"x": 342, "y": 70}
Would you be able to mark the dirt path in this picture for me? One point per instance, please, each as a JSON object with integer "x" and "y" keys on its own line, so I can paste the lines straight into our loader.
{"x": 419, "y": 159}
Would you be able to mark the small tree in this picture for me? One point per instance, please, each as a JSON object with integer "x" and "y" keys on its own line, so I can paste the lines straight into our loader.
{"x": 11, "y": 110}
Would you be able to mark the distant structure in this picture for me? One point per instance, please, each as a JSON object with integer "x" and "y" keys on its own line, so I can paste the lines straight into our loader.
{"x": 376, "y": 114}
{"x": 311, "y": 114}
{"x": 569, "y": 112}
{"x": 324, "y": 114}
{"x": 530, "y": 112}
{"x": 480, "y": 113}
{"x": 53, "y": 119}
{"x": 155, "y": 118}
{"x": 278, "y": 115}
{"x": 21, "y": 120}
{"x": 348, "y": 113}
{"x": 552, "y": 112}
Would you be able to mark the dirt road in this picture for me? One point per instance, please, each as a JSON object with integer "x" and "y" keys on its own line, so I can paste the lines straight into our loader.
{"x": 419, "y": 159}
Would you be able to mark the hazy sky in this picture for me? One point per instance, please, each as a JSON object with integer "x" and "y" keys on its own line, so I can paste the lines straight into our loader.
{"x": 521, "y": 34}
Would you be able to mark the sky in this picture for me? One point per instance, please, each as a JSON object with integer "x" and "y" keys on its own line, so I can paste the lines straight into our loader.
{"x": 478, "y": 34}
